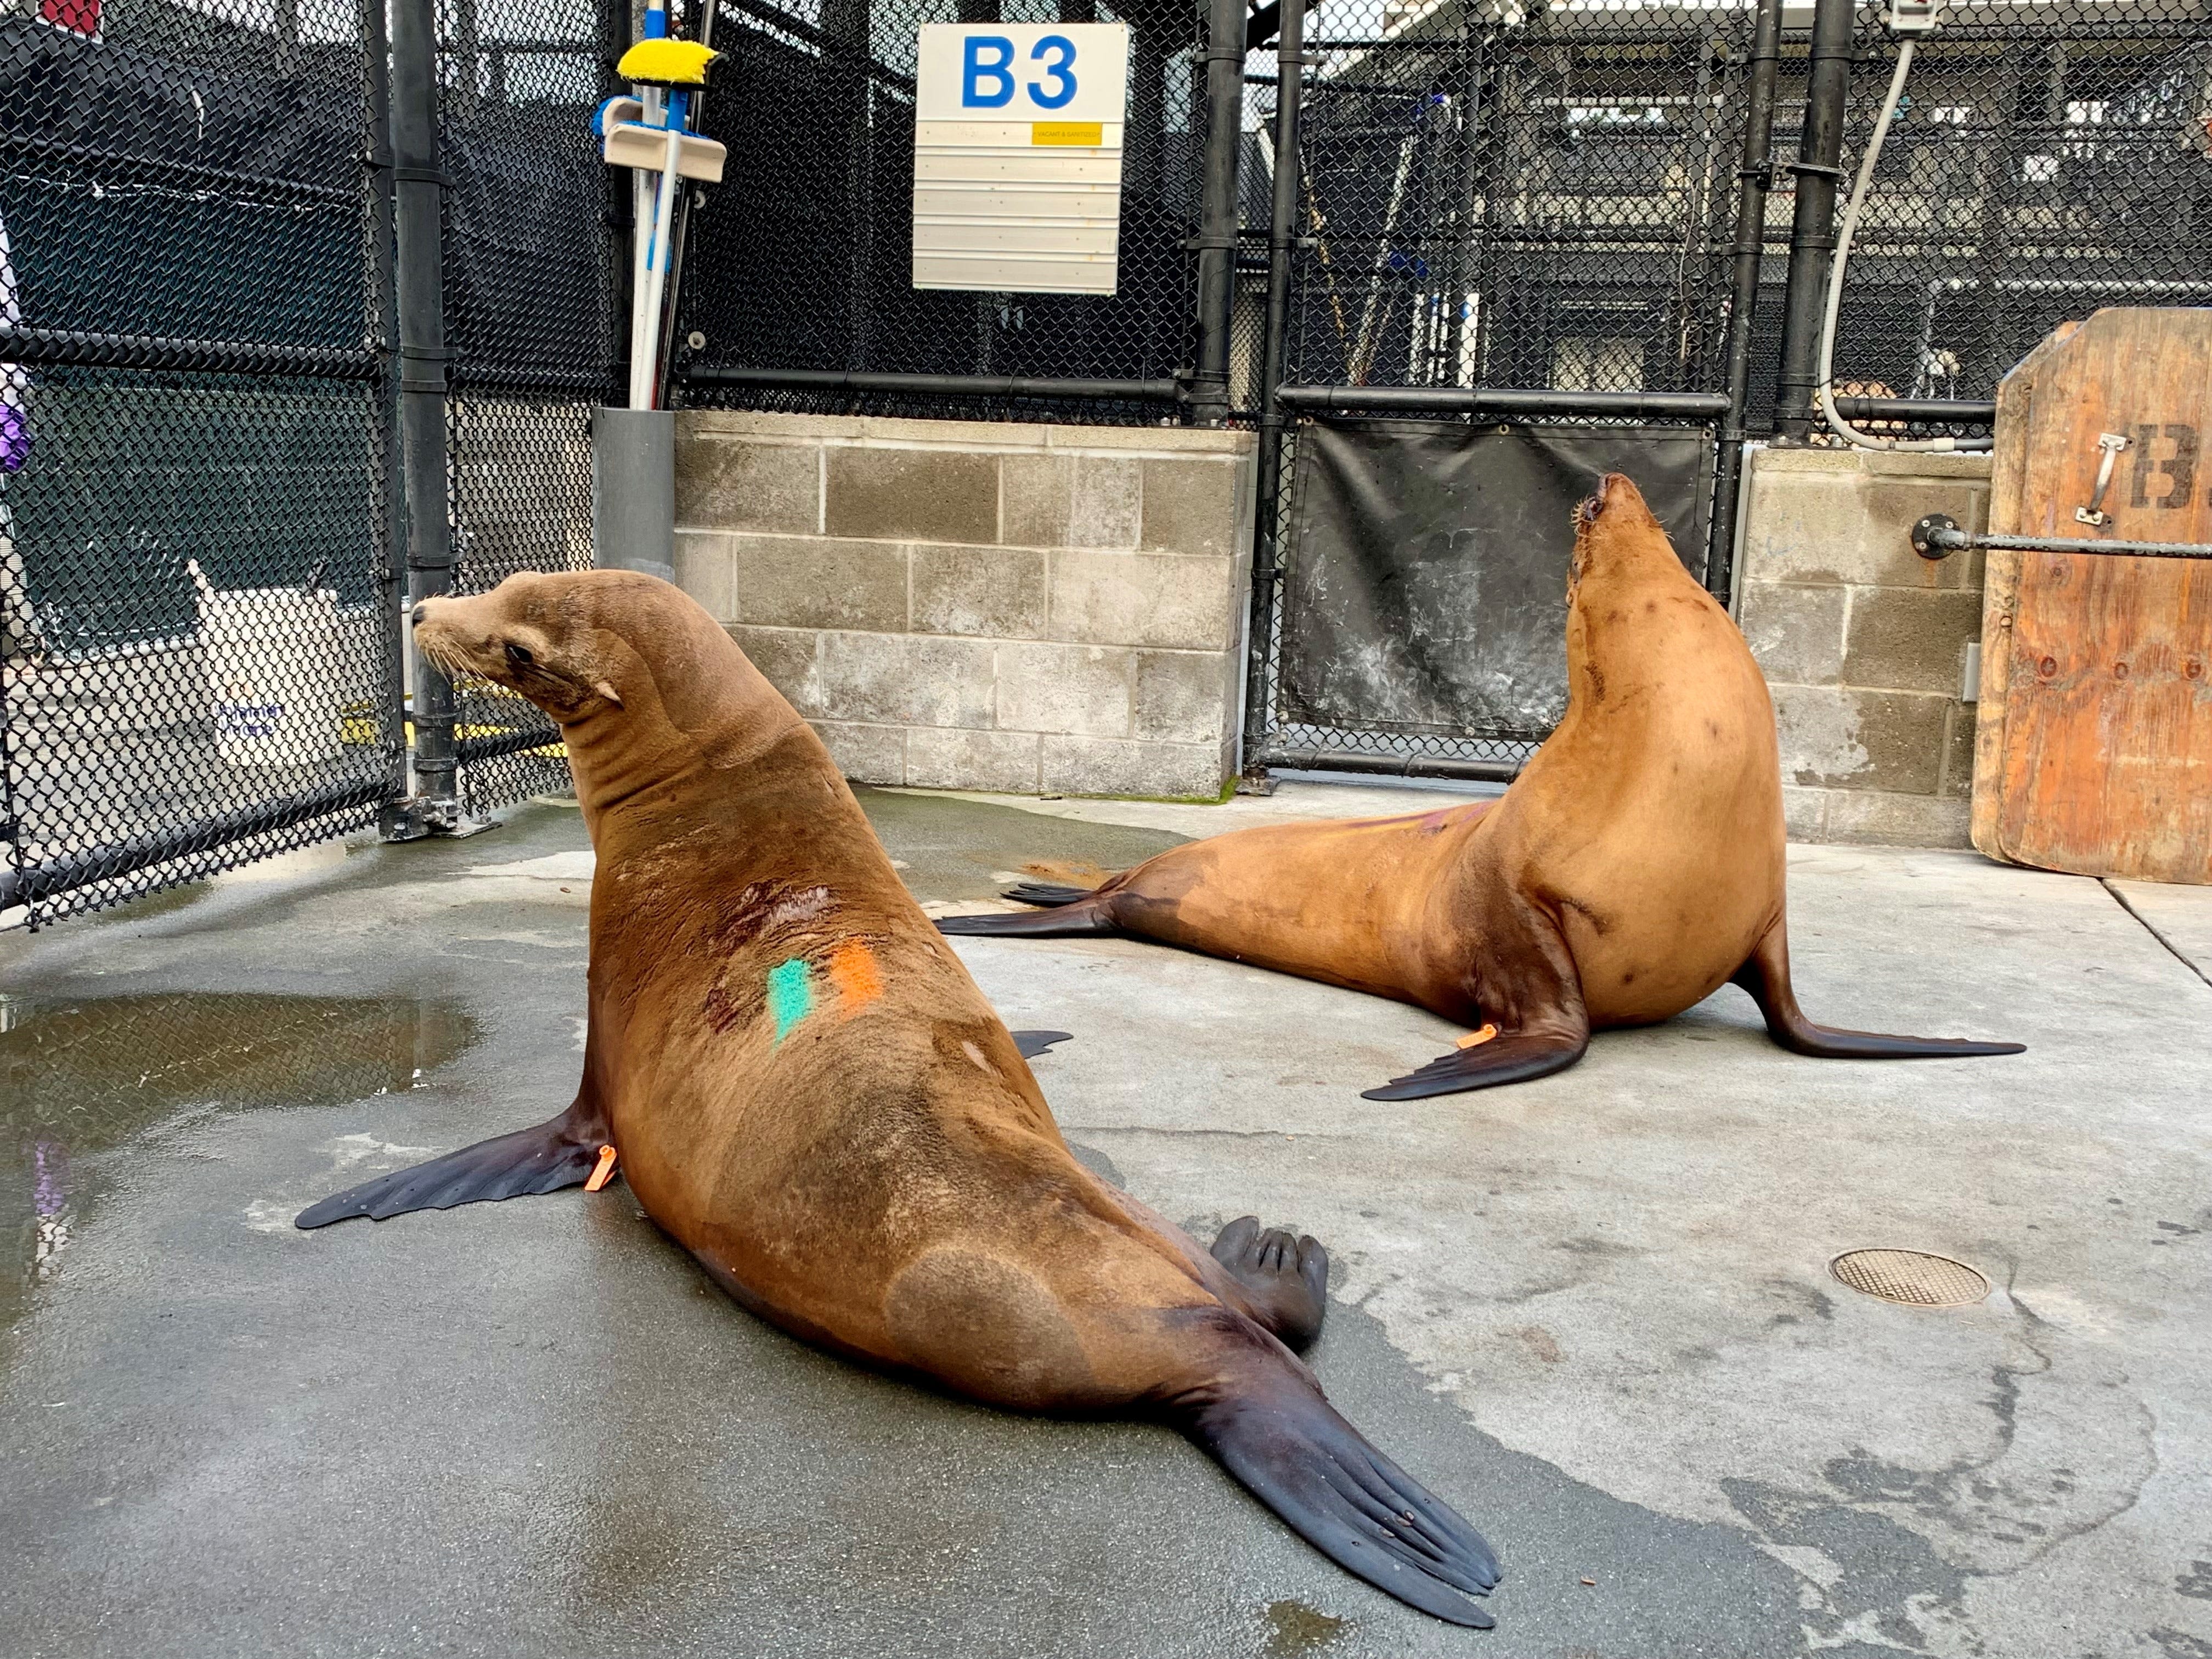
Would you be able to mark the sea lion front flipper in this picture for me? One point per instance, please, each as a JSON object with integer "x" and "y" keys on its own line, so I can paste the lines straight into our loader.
{"x": 541, "y": 1159}
{"x": 1271, "y": 1428}
{"x": 1765, "y": 974}
{"x": 1509, "y": 1057}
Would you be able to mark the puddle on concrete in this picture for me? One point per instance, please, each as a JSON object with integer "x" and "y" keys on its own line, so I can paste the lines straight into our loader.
{"x": 950, "y": 848}
{"x": 1295, "y": 1630}
{"x": 80, "y": 1076}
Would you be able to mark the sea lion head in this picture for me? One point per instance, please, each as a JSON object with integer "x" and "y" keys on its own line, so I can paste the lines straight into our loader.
{"x": 545, "y": 636}
{"x": 631, "y": 667}
{"x": 1616, "y": 519}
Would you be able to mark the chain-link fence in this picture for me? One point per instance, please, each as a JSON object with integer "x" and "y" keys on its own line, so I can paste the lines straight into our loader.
{"x": 803, "y": 260}
{"x": 194, "y": 443}
{"x": 2046, "y": 161}
{"x": 534, "y": 305}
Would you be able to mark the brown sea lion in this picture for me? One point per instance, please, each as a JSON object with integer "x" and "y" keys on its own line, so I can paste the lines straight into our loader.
{"x": 807, "y": 1091}
{"x": 1634, "y": 867}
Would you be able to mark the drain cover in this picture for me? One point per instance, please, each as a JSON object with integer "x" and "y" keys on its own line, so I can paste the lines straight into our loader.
{"x": 1912, "y": 1277}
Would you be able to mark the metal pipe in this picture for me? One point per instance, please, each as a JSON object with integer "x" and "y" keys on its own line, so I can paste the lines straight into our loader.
{"x": 392, "y": 564}
{"x": 1961, "y": 411}
{"x": 417, "y": 184}
{"x": 1754, "y": 176}
{"x": 1282, "y": 240}
{"x": 942, "y": 386}
{"x": 1216, "y": 240}
{"x": 1503, "y": 400}
{"x": 1386, "y": 766}
{"x": 1938, "y": 537}
{"x": 1818, "y": 168}
{"x": 34, "y": 882}
{"x": 37, "y": 346}
{"x": 687, "y": 194}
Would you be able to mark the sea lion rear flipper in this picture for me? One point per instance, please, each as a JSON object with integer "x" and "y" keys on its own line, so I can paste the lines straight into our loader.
{"x": 541, "y": 1159}
{"x": 1029, "y": 1044}
{"x": 1085, "y": 912}
{"x": 1274, "y": 1430}
{"x": 1765, "y": 974}
{"x": 1509, "y": 1057}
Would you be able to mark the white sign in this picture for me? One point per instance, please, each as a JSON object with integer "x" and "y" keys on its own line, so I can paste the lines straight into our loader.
{"x": 1017, "y": 156}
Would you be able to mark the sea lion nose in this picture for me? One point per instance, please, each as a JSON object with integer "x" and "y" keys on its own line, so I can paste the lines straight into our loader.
{"x": 416, "y": 615}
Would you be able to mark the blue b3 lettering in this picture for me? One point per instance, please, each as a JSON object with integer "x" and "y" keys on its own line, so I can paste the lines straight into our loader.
{"x": 985, "y": 80}
{"x": 1056, "y": 67}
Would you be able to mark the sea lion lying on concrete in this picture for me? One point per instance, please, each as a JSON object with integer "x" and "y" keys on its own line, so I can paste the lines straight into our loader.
{"x": 1635, "y": 866}
{"x": 807, "y": 1091}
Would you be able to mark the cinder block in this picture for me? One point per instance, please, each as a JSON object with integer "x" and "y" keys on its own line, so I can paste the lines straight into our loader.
{"x": 1107, "y": 508}
{"x": 1908, "y": 641}
{"x": 1190, "y": 507}
{"x": 1958, "y": 752}
{"x": 1184, "y": 697}
{"x": 941, "y": 759}
{"x": 1805, "y": 813}
{"x": 1095, "y": 766}
{"x": 786, "y": 656}
{"x": 866, "y": 754}
{"x": 1846, "y": 516}
{"x": 1796, "y": 632}
{"x": 702, "y": 570}
{"x": 816, "y": 582}
{"x": 1035, "y": 493}
{"x": 994, "y": 592}
{"x": 1166, "y": 439}
{"x": 729, "y": 482}
{"x": 1841, "y": 736}
{"x": 1079, "y": 689}
{"x": 921, "y": 494}
{"x": 896, "y": 679}
{"x": 1876, "y": 818}
{"x": 1143, "y": 598}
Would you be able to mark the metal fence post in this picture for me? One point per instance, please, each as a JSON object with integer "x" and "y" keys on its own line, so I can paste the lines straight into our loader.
{"x": 1753, "y": 178}
{"x": 417, "y": 186}
{"x": 1282, "y": 241}
{"x": 1217, "y": 235}
{"x": 1812, "y": 228}
{"x": 391, "y": 571}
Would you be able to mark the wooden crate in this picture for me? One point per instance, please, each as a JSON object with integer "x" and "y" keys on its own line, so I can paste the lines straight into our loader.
{"x": 2094, "y": 743}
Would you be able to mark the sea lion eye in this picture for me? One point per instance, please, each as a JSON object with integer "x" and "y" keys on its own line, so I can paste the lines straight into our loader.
{"x": 519, "y": 656}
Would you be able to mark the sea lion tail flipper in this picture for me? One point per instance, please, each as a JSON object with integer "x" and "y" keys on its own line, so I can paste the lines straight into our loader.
{"x": 541, "y": 1159}
{"x": 1272, "y": 1428}
{"x": 1503, "y": 1057}
{"x": 1046, "y": 895}
{"x": 1765, "y": 974}
{"x": 1086, "y": 913}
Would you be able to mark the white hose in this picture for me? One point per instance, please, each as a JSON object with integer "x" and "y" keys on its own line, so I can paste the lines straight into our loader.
{"x": 1841, "y": 427}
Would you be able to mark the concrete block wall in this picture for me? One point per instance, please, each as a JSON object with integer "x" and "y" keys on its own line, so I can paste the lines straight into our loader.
{"x": 1863, "y": 643}
{"x": 981, "y": 605}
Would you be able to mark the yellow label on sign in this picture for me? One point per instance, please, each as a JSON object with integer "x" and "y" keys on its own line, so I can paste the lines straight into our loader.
{"x": 1067, "y": 132}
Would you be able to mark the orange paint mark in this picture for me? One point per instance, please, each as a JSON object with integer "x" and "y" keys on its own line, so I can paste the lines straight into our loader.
{"x": 604, "y": 1172}
{"x": 853, "y": 971}
{"x": 1476, "y": 1039}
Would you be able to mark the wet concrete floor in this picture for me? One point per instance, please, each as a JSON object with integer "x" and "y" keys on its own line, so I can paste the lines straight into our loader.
{"x": 1593, "y": 1311}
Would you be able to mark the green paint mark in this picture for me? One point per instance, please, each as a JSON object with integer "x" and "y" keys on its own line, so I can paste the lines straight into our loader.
{"x": 790, "y": 997}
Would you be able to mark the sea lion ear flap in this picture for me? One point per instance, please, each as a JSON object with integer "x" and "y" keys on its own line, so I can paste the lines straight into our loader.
{"x": 606, "y": 689}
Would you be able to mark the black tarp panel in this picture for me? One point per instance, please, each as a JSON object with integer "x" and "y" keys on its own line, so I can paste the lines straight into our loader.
{"x": 1426, "y": 587}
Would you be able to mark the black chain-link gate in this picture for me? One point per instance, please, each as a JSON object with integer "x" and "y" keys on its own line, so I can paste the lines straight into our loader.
{"x": 194, "y": 569}
{"x": 534, "y": 310}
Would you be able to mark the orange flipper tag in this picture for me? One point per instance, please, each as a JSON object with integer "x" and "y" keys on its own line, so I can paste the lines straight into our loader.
{"x": 1476, "y": 1039}
{"x": 605, "y": 1173}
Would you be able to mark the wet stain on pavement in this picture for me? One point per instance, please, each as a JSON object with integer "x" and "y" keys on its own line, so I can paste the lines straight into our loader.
{"x": 1295, "y": 1630}
{"x": 82, "y": 1076}
{"x": 948, "y": 849}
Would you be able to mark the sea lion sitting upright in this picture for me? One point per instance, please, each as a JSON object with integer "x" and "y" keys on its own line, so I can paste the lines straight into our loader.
{"x": 807, "y": 1091}
{"x": 1635, "y": 866}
